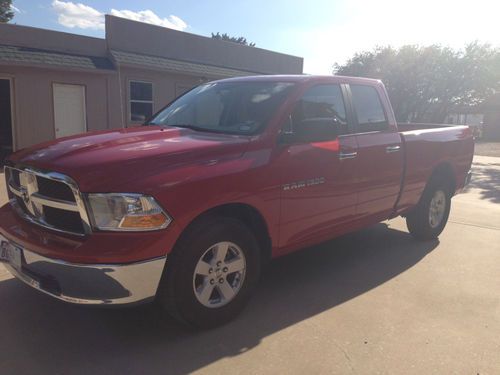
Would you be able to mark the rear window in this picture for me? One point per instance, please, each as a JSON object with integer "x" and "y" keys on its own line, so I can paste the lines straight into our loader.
{"x": 369, "y": 109}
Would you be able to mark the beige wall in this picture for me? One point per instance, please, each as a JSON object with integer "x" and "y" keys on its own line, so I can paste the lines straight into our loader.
{"x": 164, "y": 87}
{"x": 107, "y": 106}
{"x": 107, "y": 92}
{"x": 33, "y": 101}
{"x": 31, "y": 37}
{"x": 141, "y": 38}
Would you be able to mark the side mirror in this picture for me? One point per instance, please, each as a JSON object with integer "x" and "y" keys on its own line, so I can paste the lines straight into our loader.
{"x": 313, "y": 130}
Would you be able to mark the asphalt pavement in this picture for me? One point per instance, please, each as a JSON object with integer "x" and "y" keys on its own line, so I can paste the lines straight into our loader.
{"x": 372, "y": 302}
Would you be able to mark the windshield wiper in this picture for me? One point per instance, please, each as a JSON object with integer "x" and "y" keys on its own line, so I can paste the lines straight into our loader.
{"x": 198, "y": 128}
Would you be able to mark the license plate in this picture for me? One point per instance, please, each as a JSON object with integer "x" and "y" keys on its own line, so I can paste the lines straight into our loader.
{"x": 11, "y": 254}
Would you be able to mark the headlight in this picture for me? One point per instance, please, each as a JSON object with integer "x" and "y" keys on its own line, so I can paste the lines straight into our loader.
{"x": 126, "y": 212}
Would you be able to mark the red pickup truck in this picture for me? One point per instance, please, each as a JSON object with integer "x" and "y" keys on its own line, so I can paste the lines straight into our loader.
{"x": 188, "y": 208}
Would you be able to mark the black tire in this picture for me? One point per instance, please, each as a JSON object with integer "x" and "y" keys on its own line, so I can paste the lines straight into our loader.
{"x": 418, "y": 221}
{"x": 176, "y": 292}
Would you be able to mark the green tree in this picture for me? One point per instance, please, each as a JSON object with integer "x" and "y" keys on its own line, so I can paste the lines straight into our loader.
{"x": 6, "y": 13}
{"x": 228, "y": 38}
{"x": 426, "y": 83}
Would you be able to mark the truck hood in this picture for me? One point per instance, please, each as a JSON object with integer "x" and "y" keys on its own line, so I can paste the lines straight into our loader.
{"x": 108, "y": 159}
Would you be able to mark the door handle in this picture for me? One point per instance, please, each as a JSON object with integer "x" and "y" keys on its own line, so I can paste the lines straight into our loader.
{"x": 390, "y": 149}
{"x": 347, "y": 155}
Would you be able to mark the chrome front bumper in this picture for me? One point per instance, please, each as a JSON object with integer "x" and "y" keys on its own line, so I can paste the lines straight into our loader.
{"x": 90, "y": 284}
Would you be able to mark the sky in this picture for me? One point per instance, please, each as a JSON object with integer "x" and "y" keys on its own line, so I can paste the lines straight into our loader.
{"x": 323, "y": 32}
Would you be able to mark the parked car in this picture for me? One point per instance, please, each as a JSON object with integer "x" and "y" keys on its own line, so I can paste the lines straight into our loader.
{"x": 187, "y": 209}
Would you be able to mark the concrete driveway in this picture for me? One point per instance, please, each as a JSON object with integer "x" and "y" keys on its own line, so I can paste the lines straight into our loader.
{"x": 371, "y": 302}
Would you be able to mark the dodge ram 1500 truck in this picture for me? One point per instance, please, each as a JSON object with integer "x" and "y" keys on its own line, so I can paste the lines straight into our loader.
{"x": 186, "y": 209}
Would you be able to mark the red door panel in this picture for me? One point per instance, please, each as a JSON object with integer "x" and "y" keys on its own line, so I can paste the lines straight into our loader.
{"x": 317, "y": 190}
{"x": 380, "y": 166}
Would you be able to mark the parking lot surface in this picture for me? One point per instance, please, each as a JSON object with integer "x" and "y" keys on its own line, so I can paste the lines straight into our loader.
{"x": 371, "y": 302}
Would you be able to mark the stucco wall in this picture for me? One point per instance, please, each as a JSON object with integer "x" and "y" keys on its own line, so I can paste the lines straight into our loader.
{"x": 164, "y": 87}
{"x": 107, "y": 91}
{"x": 33, "y": 101}
{"x": 32, "y": 37}
{"x": 126, "y": 35}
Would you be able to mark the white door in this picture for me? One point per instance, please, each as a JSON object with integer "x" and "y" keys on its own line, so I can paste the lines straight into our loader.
{"x": 69, "y": 109}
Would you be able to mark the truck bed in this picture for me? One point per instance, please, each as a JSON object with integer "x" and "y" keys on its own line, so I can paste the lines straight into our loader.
{"x": 428, "y": 146}
{"x": 410, "y": 126}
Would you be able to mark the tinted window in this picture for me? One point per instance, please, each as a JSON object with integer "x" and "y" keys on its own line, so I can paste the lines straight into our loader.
{"x": 369, "y": 110}
{"x": 226, "y": 107}
{"x": 322, "y": 102}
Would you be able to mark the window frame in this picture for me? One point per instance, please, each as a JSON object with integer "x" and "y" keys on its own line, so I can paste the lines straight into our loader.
{"x": 354, "y": 113}
{"x": 130, "y": 100}
{"x": 179, "y": 86}
{"x": 13, "y": 124}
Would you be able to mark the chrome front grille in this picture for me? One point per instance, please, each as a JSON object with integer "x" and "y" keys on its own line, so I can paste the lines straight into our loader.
{"x": 49, "y": 199}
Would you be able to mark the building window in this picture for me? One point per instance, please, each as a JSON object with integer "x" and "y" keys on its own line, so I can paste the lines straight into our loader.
{"x": 141, "y": 100}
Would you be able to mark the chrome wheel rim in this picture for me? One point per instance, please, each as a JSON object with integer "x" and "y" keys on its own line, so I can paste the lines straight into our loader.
{"x": 437, "y": 208}
{"x": 219, "y": 274}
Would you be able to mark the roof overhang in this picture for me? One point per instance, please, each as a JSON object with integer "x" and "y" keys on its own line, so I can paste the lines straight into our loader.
{"x": 24, "y": 56}
{"x": 122, "y": 58}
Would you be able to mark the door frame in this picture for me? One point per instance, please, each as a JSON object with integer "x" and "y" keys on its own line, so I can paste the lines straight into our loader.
{"x": 10, "y": 78}
{"x": 54, "y": 83}
{"x": 341, "y": 227}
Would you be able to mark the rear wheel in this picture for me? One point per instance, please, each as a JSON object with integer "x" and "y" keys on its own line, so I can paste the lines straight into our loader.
{"x": 430, "y": 216}
{"x": 211, "y": 273}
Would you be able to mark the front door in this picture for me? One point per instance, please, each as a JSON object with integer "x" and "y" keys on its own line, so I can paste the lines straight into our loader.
{"x": 69, "y": 109}
{"x": 5, "y": 119}
{"x": 317, "y": 185}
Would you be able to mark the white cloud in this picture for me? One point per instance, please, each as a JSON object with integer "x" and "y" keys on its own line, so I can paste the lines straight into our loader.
{"x": 85, "y": 17}
{"x": 78, "y": 15}
{"x": 148, "y": 16}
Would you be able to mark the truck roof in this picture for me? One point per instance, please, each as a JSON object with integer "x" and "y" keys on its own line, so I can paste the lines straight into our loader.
{"x": 302, "y": 78}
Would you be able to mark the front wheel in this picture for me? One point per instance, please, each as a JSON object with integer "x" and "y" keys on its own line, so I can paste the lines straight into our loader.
{"x": 430, "y": 216}
{"x": 211, "y": 273}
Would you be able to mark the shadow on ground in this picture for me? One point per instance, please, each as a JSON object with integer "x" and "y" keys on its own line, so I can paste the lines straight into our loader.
{"x": 486, "y": 178}
{"x": 41, "y": 335}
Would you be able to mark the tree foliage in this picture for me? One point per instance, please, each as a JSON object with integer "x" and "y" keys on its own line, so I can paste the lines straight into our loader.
{"x": 426, "y": 83}
{"x": 234, "y": 39}
{"x": 6, "y": 13}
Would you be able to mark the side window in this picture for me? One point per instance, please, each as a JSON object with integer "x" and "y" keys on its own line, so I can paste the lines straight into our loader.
{"x": 141, "y": 100}
{"x": 369, "y": 109}
{"x": 322, "y": 102}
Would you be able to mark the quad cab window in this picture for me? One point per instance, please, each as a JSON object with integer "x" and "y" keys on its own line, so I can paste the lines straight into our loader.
{"x": 369, "y": 110}
{"x": 323, "y": 102}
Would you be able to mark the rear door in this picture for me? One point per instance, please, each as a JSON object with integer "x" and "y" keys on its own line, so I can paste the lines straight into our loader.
{"x": 380, "y": 154}
{"x": 317, "y": 186}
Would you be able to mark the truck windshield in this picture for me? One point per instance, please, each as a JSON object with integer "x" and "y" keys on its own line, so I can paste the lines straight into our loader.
{"x": 225, "y": 107}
